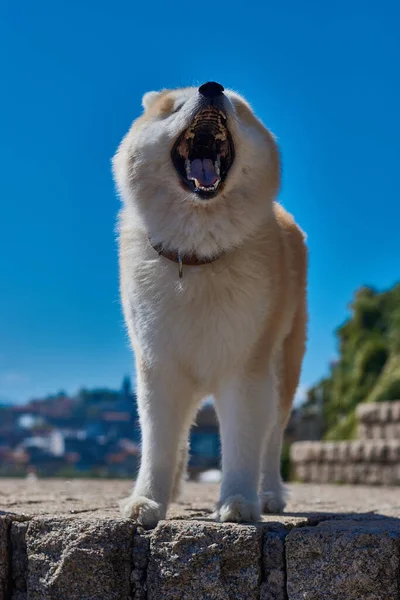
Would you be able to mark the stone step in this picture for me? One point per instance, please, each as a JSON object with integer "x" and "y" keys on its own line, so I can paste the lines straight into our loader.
{"x": 379, "y": 420}
{"x": 378, "y": 412}
{"x": 371, "y": 462}
{"x": 66, "y": 541}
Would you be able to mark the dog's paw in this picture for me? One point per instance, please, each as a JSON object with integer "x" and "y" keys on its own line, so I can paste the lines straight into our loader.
{"x": 237, "y": 509}
{"x": 273, "y": 502}
{"x": 144, "y": 511}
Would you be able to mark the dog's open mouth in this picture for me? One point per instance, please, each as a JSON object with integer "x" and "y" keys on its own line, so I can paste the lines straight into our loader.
{"x": 204, "y": 153}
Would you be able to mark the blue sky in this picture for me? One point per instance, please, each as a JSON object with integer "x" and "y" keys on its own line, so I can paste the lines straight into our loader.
{"x": 323, "y": 76}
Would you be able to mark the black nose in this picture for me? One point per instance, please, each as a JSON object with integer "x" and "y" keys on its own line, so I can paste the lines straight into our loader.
{"x": 210, "y": 89}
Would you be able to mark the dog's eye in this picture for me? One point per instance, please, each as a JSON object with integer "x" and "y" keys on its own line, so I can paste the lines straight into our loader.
{"x": 177, "y": 108}
{"x": 167, "y": 108}
{"x": 166, "y": 114}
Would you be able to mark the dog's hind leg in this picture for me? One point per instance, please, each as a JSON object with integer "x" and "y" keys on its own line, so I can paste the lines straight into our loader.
{"x": 273, "y": 493}
{"x": 183, "y": 459}
{"x": 288, "y": 368}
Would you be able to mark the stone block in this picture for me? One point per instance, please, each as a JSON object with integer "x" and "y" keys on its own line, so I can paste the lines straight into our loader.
{"x": 338, "y": 473}
{"x": 367, "y": 413}
{"x": 377, "y": 431}
{"x": 343, "y": 451}
{"x": 374, "y": 451}
{"x": 141, "y": 556}
{"x": 396, "y": 411}
{"x": 5, "y": 566}
{"x": 388, "y": 475}
{"x": 329, "y": 452}
{"x": 393, "y": 450}
{"x": 363, "y": 431}
{"x": 204, "y": 560}
{"x": 316, "y": 450}
{"x": 360, "y": 472}
{"x": 373, "y": 474}
{"x": 79, "y": 559}
{"x": 385, "y": 412}
{"x": 326, "y": 473}
{"x": 356, "y": 450}
{"x": 314, "y": 471}
{"x": 344, "y": 560}
{"x": 273, "y": 586}
{"x": 19, "y": 563}
{"x": 349, "y": 473}
{"x": 301, "y": 451}
{"x": 302, "y": 471}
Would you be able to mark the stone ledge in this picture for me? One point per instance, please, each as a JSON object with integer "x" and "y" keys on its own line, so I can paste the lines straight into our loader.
{"x": 345, "y": 560}
{"x": 378, "y": 451}
{"x": 361, "y": 473}
{"x": 378, "y": 412}
{"x": 368, "y": 462}
{"x": 378, "y": 421}
{"x": 93, "y": 554}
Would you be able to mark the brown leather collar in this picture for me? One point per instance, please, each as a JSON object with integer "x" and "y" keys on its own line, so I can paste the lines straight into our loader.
{"x": 191, "y": 260}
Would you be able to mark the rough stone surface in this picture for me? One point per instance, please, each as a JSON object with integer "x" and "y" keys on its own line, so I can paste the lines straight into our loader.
{"x": 273, "y": 585}
{"x": 374, "y": 459}
{"x": 141, "y": 555}
{"x": 79, "y": 560}
{"x": 63, "y": 540}
{"x": 87, "y": 499}
{"x": 204, "y": 560}
{"x": 344, "y": 560}
{"x": 5, "y": 566}
{"x": 378, "y": 451}
{"x": 371, "y": 462}
{"x": 366, "y": 473}
{"x": 19, "y": 562}
{"x": 379, "y": 412}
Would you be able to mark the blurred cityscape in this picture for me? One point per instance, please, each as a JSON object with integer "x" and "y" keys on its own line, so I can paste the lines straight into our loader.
{"x": 96, "y": 433}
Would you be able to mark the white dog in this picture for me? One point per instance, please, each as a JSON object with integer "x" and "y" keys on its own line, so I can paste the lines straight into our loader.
{"x": 213, "y": 285}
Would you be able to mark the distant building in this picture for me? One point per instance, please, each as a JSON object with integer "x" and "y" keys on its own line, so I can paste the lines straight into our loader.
{"x": 204, "y": 441}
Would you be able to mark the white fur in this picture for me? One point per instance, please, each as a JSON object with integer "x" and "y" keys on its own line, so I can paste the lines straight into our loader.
{"x": 149, "y": 98}
{"x": 193, "y": 336}
{"x": 157, "y": 205}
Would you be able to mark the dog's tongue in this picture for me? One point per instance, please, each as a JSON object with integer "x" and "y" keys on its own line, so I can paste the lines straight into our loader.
{"x": 204, "y": 171}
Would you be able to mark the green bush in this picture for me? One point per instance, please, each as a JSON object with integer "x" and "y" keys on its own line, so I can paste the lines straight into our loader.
{"x": 368, "y": 368}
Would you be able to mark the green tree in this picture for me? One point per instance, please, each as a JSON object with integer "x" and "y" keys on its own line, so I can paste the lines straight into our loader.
{"x": 368, "y": 369}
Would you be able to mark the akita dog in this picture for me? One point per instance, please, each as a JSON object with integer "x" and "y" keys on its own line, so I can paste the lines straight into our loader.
{"x": 213, "y": 284}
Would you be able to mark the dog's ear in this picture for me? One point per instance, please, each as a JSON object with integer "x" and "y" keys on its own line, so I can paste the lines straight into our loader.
{"x": 148, "y": 99}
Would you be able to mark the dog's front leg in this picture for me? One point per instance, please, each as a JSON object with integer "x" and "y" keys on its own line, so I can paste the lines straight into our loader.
{"x": 164, "y": 400}
{"x": 246, "y": 406}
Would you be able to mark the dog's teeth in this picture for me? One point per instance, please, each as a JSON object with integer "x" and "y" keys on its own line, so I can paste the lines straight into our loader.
{"x": 217, "y": 166}
{"x": 211, "y": 188}
{"x": 189, "y": 135}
